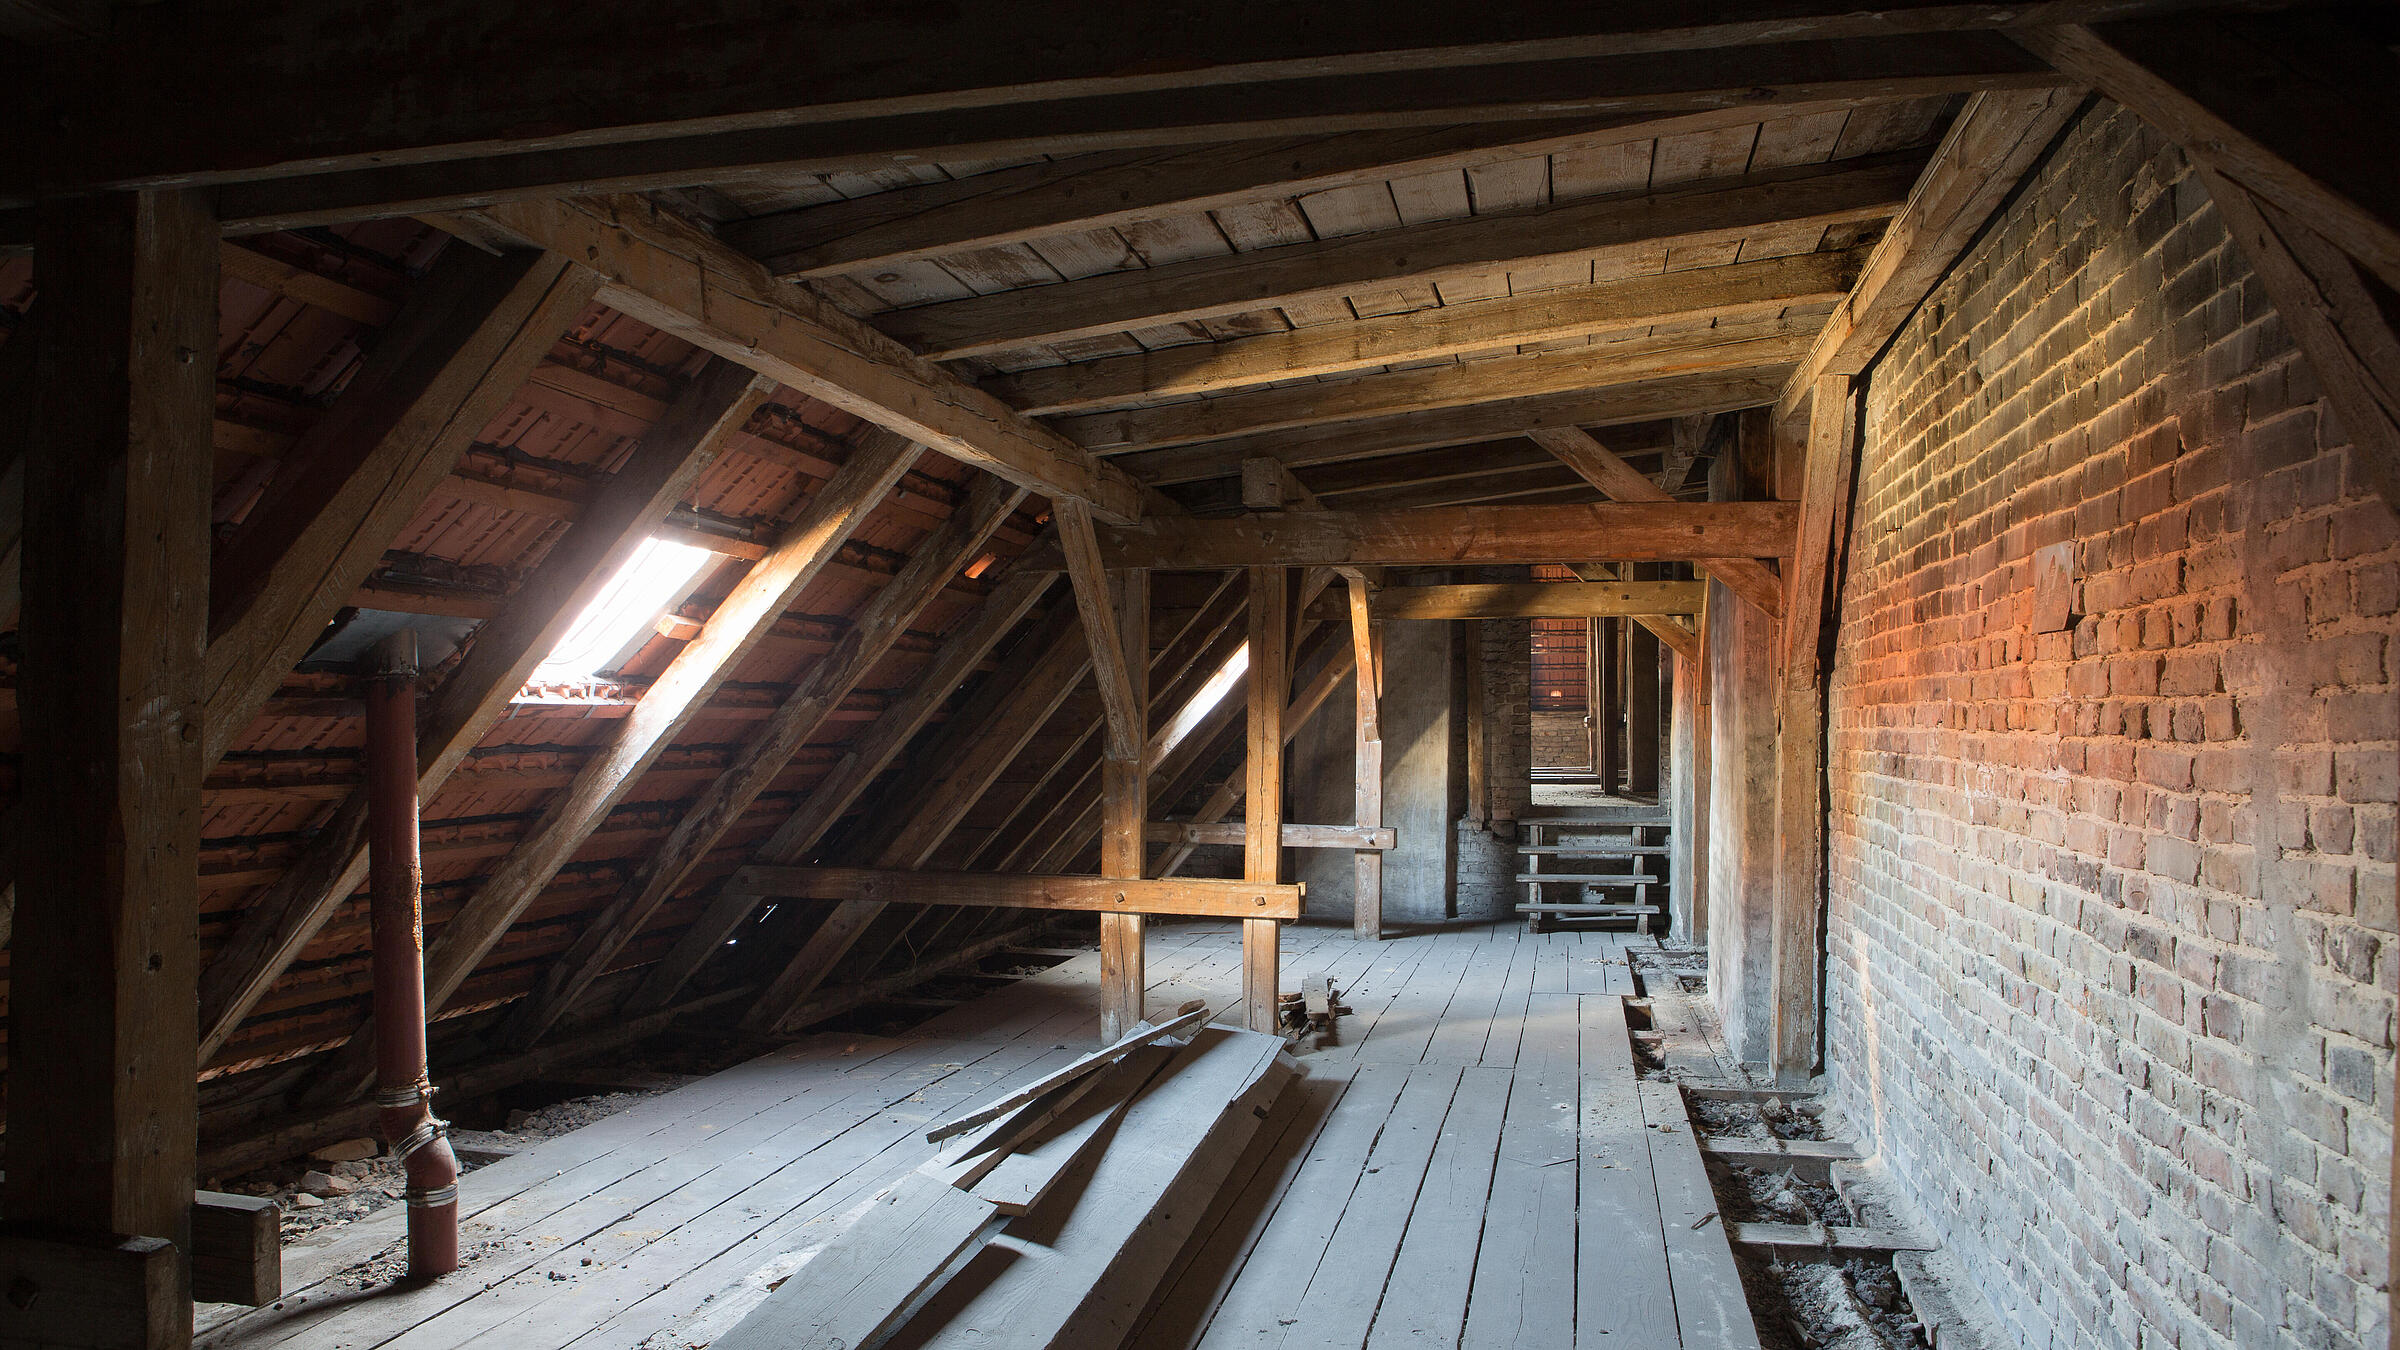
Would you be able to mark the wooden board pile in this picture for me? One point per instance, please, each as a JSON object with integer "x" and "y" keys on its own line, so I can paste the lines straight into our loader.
{"x": 1052, "y": 1213}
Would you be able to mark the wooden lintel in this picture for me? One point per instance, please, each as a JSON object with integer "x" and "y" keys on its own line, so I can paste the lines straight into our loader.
{"x": 1194, "y": 897}
{"x": 1235, "y": 833}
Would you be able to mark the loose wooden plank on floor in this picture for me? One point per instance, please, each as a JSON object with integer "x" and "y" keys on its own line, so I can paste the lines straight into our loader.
{"x": 1709, "y": 1305}
{"x": 1622, "y": 1281}
{"x": 856, "y": 1290}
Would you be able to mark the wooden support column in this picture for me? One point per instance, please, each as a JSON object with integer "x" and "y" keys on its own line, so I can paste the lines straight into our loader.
{"x": 1125, "y": 810}
{"x": 1366, "y": 914}
{"x": 1641, "y": 699}
{"x": 1600, "y": 696}
{"x": 1115, "y": 609}
{"x": 1262, "y": 811}
{"x": 1687, "y": 807}
{"x": 1831, "y": 459}
{"x": 102, "y": 1019}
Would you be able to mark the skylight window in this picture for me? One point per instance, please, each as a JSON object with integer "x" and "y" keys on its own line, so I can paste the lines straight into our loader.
{"x": 1205, "y": 701}
{"x": 631, "y": 602}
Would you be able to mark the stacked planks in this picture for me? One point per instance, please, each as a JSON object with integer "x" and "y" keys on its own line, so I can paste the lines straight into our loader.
{"x": 1051, "y": 1217}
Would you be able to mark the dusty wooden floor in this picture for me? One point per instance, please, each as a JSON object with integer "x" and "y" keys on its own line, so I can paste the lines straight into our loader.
{"x": 1473, "y": 1162}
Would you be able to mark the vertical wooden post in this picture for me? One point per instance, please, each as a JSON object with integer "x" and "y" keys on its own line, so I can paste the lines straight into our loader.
{"x": 1641, "y": 698}
{"x": 1366, "y": 914}
{"x": 1687, "y": 811}
{"x": 1830, "y": 457}
{"x": 103, "y": 1016}
{"x": 1125, "y": 808}
{"x": 1596, "y": 702}
{"x": 1262, "y": 800}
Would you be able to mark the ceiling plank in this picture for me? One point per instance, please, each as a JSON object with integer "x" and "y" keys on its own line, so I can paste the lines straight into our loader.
{"x": 1602, "y": 365}
{"x": 765, "y": 754}
{"x": 1462, "y": 536}
{"x": 1714, "y": 211}
{"x": 1990, "y": 146}
{"x": 1330, "y": 349}
{"x": 675, "y": 277}
{"x": 447, "y": 365}
{"x": 1581, "y": 451}
{"x": 1121, "y": 188}
{"x": 277, "y": 925}
{"x": 1408, "y": 432}
{"x": 832, "y": 796}
{"x": 312, "y": 88}
{"x": 2296, "y": 107}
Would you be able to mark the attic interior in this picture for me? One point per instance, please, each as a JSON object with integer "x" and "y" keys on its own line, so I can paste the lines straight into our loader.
{"x": 1640, "y": 676}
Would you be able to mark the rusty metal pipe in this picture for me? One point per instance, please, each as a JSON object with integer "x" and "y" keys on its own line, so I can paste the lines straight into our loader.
{"x": 395, "y": 891}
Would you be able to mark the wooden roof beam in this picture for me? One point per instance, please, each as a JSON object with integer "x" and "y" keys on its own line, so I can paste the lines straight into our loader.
{"x": 460, "y": 348}
{"x": 1734, "y": 290}
{"x": 765, "y": 754}
{"x": 275, "y": 927}
{"x": 678, "y": 278}
{"x": 1606, "y": 365}
{"x": 865, "y": 761}
{"x": 1994, "y": 140}
{"x": 725, "y": 91}
{"x": 2298, "y": 108}
{"x": 1454, "y": 537}
{"x": 1581, "y": 451}
{"x": 1715, "y": 211}
{"x": 1404, "y": 433}
{"x": 839, "y": 507}
{"x": 1536, "y": 599}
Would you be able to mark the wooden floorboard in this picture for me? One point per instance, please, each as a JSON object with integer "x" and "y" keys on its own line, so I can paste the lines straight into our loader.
{"x": 1470, "y": 1159}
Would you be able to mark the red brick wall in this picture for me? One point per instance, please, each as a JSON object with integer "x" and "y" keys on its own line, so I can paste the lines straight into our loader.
{"x": 2110, "y": 977}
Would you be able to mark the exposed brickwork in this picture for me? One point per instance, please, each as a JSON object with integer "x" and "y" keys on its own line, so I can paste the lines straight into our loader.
{"x": 1560, "y": 741}
{"x": 2112, "y": 908}
{"x": 1507, "y": 719}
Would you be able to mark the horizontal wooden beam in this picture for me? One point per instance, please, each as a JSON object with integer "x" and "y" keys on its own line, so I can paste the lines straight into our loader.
{"x": 524, "y": 104}
{"x": 674, "y": 276}
{"x": 1482, "y": 325}
{"x": 1600, "y": 365}
{"x": 1712, "y": 211}
{"x": 1406, "y": 432}
{"x": 1234, "y": 832}
{"x": 1013, "y": 890}
{"x": 1458, "y": 536}
{"x": 1606, "y": 470}
{"x": 1539, "y": 600}
{"x": 1111, "y": 189}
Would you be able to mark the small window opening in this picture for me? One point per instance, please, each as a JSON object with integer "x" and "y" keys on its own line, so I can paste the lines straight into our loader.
{"x": 1205, "y": 700}
{"x": 631, "y": 602}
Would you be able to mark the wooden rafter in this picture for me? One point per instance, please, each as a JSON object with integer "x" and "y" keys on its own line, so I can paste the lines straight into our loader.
{"x": 766, "y": 753}
{"x": 1734, "y": 290}
{"x": 839, "y": 507}
{"x": 1407, "y": 432}
{"x": 1776, "y": 343}
{"x": 1581, "y": 451}
{"x": 833, "y": 795}
{"x": 276, "y": 926}
{"x": 444, "y": 369}
{"x": 2298, "y": 108}
{"x": 679, "y": 279}
{"x": 1538, "y": 599}
{"x": 1111, "y": 189}
{"x": 1990, "y": 145}
{"x": 492, "y": 110}
{"x": 1455, "y": 536}
{"x": 1713, "y": 211}
{"x": 1019, "y": 890}
{"x": 958, "y": 781}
